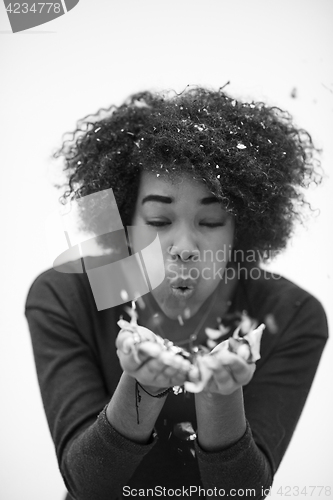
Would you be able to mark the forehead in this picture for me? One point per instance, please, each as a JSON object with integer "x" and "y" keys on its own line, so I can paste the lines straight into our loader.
{"x": 178, "y": 187}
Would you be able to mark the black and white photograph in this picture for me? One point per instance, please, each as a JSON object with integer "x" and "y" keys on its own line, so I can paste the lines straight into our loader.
{"x": 166, "y": 285}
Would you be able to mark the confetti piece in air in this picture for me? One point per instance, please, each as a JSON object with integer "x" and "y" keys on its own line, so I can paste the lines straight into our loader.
{"x": 247, "y": 346}
{"x": 187, "y": 313}
{"x": 214, "y": 334}
{"x": 271, "y": 324}
{"x": 124, "y": 295}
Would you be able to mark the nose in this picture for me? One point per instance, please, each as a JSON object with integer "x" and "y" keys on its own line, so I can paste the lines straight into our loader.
{"x": 184, "y": 246}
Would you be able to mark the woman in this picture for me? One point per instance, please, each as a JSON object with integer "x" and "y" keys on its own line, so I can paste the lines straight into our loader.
{"x": 212, "y": 177}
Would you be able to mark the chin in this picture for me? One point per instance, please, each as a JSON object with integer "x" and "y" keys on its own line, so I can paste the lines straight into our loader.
{"x": 175, "y": 313}
{"x": 173, "y": 307}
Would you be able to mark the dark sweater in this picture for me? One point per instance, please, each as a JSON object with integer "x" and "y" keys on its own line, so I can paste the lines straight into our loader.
{"x": 78, "y": 371}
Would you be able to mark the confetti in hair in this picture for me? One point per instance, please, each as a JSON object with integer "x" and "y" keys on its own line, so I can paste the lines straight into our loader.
{"x": 249, "y": 155}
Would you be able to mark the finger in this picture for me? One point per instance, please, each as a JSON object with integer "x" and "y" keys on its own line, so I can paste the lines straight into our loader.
{"x": 200, "y": 374}
{"x": 165, "y": 370}
{"x": 222, "y": 381}
{"x": 149, "y": 349}
{"x": 212, "y": 333}
{"x": 223, "y": 376}
{"x": 221, "y": 346}
{"x": 138, "y": 355}
{"x": 147, "y": 334}
{"x": 139, "y": 332}
{"x": 155, "y": 373}
{"x": 234, "y": 361}
{"x": 193, "y": 375}
{"x": 170, "y": 372}
{"x": 128, "y": 362}
{"x": 163, "y": 358}
{"x": 171, "y": 377}
{"x": 175, "y": 360}
{"x": 238, "y": 368}
{"x": 122, "y": 336}
{"x": 154, "y": 367}
{"x": 123, "y": 324}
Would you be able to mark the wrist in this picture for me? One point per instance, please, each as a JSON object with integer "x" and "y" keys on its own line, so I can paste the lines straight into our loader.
{"x": 220, "y": 419}
{"x": 155, "y": 392}
{"x": 217, "y": 397}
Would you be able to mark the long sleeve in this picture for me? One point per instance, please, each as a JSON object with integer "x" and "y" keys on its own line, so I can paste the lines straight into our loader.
{"x": 242, "y": 466}
{"x": 274, "y": 400}
{"x": 78, "y": 371}
{"x": 94, "y": 459}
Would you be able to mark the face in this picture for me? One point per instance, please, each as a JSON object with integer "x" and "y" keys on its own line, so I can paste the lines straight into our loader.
{"x": 196, "y": 236}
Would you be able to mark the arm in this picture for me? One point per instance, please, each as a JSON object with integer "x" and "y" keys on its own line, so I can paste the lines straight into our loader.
{"x": 273, "y": 402}
{"x": 95, "y": 459}
{"x": 220, "y": 419}
{"x": 148, "y": 372}
{"x": 227, "y": 454}
{"x": 121, "y": 405}
{"x": 219, "y": 407}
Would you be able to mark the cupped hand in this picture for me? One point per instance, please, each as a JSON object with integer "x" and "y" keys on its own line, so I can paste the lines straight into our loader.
{"x": 142, "y": 355}
{"x": 229, "y": 371}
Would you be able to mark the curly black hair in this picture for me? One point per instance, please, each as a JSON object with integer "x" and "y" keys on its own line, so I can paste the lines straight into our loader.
{"x": 250, "y": 156}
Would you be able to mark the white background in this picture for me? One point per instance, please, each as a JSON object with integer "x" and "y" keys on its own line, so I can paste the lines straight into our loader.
{"x": 98, "y": 54}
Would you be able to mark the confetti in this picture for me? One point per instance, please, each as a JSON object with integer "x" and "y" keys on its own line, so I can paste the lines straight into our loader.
{"x": 271, "y": 324}
{"x": 124, "y": 295}
{"x": 187, "y": 313}
{"x": 245, "y": 342}
{"x": 247, "y": 346}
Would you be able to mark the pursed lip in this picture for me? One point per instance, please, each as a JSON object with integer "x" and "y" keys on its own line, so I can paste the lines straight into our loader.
{"x": 183, "y": 283}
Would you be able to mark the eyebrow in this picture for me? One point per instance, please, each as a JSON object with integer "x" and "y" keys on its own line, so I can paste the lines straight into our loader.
{"x": 168, "y": 199}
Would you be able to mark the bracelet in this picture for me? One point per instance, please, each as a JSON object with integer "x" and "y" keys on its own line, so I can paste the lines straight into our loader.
{"x": 138, "y": 397}
{"x": 160, "y": 395}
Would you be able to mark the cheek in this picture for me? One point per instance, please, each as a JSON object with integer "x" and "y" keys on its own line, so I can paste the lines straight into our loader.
{"x": 215, "y": 257}
{"x": 219, "y": 248}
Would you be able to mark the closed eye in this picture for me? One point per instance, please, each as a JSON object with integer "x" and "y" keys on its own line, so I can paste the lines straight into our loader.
{"x": 157, "y": 223}
{"x": 213, "y": 224}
